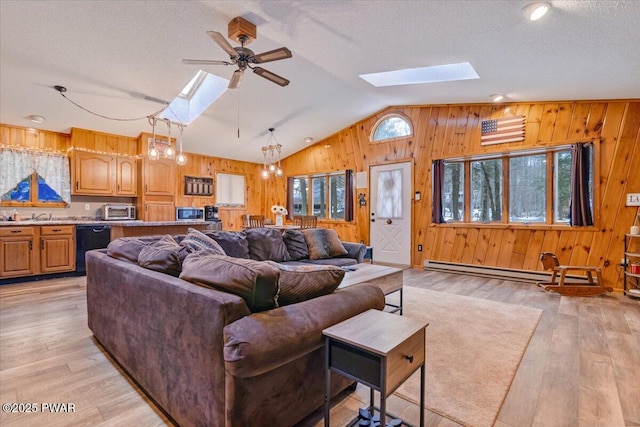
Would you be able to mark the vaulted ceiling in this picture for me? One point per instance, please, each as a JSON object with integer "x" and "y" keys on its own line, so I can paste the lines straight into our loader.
{"x": 110, "y": 55}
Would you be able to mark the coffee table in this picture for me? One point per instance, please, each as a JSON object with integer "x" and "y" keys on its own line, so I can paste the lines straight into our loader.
{"x": 389, "y": 279}
{"x": 379, "y": 350}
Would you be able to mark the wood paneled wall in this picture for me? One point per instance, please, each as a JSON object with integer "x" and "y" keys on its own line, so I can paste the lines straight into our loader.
{"x": 449, "y": 131}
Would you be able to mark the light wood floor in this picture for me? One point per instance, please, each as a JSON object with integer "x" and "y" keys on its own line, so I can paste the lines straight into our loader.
{"x": 582, "y": 367}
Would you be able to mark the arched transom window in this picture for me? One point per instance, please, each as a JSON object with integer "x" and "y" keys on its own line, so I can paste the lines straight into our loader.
{"x": 391, "y": 126}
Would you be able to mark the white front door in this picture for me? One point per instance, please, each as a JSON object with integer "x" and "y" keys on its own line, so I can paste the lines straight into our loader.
{"x": 390, "y": 215}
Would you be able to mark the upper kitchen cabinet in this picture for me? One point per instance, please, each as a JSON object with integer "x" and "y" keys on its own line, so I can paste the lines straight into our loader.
{"x": 158, "y": 175}
{"x": 103, "y": 164}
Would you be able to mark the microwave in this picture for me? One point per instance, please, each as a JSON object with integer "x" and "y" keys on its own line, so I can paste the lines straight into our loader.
{"x": 189, "y": 214}
{"x": 118, "y": 212}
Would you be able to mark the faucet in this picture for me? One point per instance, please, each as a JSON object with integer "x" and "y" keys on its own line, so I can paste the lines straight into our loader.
{"x": 35, "y": 217}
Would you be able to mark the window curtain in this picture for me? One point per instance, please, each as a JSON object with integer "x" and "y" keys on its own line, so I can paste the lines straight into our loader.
{"x": 348, "y": 195}
{"x": 290, "y": 198}
{"x": 16, "y": 165}
{"x": 580, "y": 206}
{"x": 54, "y": 168}
{"x": 438, "y": 181}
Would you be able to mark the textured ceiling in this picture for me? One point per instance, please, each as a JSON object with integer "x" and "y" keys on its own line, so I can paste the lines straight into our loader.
{"x": 110, "y": 54}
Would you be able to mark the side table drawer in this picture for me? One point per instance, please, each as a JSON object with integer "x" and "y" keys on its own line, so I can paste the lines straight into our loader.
{"x": 355, "y": 363}
{"x": 403, "y": 360}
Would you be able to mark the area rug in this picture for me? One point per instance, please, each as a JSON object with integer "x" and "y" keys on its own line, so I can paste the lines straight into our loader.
{"x": 473, "y": 350}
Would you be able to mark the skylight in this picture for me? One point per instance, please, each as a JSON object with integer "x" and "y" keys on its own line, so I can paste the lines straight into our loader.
{"x": 201, "y": 91}
{"x": 409, "y": 76}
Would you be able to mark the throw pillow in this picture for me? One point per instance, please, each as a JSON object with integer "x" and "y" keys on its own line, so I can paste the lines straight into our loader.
{"x": 128, "y": 248}
{"x": 254, "y": 281}
{"x": 323, "y": 243}
{"x": 165, "y": 256}
{"x": 234, "y": 243}
{"x": 266, "y": 244}
{"x": 296, "y": 244}
{"x": 300, "y": 283}
{"x": 198, "y": 241}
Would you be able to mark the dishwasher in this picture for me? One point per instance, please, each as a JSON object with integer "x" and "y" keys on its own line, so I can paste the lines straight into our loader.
{"x": 89, "y": 237}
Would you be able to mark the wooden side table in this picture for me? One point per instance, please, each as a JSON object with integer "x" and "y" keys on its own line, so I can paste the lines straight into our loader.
{"x": 379, "y": 350}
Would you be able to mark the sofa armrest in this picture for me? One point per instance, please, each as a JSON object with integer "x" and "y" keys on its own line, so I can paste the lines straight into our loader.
{"x": 267, "y": 340}
{"x": 355, "y": 250}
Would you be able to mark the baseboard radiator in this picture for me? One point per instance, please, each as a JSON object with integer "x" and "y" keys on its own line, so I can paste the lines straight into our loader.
{"x": 507, "y": 273}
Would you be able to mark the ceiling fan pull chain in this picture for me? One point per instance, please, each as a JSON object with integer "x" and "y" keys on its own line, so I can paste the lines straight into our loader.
{"x": 238, "y": 112}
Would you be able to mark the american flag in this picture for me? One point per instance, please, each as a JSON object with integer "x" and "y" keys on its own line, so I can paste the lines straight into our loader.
{"x": 498, "y": 131}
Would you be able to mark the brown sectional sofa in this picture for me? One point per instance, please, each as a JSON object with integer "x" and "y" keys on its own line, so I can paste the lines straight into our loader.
{"x": 204, "y": 357}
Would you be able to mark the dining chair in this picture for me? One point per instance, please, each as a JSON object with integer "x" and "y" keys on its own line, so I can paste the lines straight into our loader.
{"x": 307, "y": 221}
{"x": 255, "y": 221}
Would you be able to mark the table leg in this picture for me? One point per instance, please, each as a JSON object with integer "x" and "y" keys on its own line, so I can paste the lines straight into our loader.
{"x": 327, "y": 384}
{"x": 401, "y": 302}
{"x": 422, "y": 381}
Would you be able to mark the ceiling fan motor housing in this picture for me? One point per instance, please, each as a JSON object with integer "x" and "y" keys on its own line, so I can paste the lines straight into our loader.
{"x": 242, "y": 31}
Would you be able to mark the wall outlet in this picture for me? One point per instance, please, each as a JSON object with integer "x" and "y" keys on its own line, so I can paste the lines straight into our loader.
{"x": 87, "y": 206}
{"x": 419, "y": 248}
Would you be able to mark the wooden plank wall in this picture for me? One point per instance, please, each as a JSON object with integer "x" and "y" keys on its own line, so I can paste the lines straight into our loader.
{"x": 197, "y": 165}
{"x": 448, "y": 131}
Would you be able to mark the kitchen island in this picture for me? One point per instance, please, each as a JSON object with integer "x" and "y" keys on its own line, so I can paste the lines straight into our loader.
{"x": 145, "y": 228}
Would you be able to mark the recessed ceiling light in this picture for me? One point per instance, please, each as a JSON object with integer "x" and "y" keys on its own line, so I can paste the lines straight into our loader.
{"x": 36, "y": 119}
{"x": 497, "y": 97}
{"x": 308, "y": 140}
{"x": 409, "y": 76}
{"x": 535, "y": 11}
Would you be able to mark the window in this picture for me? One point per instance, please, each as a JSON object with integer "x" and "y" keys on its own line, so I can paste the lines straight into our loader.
{"x": 230, "y": 189}
{"x": 391, "y": 126}
{"x": 453, "y": 192}
{"x": 389, "y": 204}
{"x": 34, "y": 179}
{"x": 527, "y": 187}
{"x": 326, "y": 196}
{"x": 486, "y": 190}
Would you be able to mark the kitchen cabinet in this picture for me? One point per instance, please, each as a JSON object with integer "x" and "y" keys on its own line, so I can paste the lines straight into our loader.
{"x": 57, "y": 246}
{"x": 18, "y": 251}
{"x": 159, "y": 211}
{"x": 34, "y": 250}
{"x": 159, "y": 177}
{"x": 103, "y": 174}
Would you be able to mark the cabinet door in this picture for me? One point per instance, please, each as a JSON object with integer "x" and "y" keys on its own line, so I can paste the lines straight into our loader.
{"x": 17, "y": 252}
{"x": 126, "y": 176}
{"x": 159, "y": 211}
{"x": 94, "y": 174}
{"x": 159, "y": 177}
{"x": 57, "y": 249}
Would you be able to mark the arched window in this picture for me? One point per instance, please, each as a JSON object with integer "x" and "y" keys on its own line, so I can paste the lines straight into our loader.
{"x": 391, "y": 126}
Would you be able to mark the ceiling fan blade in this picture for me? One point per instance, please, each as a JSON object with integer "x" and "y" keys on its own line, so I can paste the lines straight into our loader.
{"x": 223, "y": 43}
{"x": 272, "y": 55}
{"x": 205, "y": 62}
{"x": 271, "y": 76}
{"x": 235, "y": 79}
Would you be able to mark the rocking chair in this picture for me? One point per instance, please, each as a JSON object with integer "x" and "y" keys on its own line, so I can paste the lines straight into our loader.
{"x": 550, "y": 262}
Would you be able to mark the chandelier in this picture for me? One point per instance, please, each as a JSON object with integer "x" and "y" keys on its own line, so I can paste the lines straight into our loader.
{"x": 158, "y": 148}
{"x": 272, "y": 152}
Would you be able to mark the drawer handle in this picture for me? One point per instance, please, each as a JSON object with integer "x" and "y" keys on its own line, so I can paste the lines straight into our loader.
{"x": 409, "y": 358}
{"x": 55, "y": 230}
{"x": 16, "y": 231}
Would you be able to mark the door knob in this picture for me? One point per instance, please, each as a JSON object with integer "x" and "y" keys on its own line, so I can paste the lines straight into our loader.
{"x": 389, "y": 221}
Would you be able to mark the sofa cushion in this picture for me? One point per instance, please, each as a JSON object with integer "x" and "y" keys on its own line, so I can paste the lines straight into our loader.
{"x": 296, "y": 244}
{"x": 266, "y": 244}
{"x": 197, "y": 241}
{"x": 128, "y": 248}
{"x": 300, "y": 283}
{"x": 254, "y": 281}
{"x": 323, "y": 243}
{"x": 165, "y": 256}
{"x": 234, "y": 243}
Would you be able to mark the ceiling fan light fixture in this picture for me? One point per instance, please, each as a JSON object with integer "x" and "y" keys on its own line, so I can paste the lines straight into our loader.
{"x": 535, "y": 11}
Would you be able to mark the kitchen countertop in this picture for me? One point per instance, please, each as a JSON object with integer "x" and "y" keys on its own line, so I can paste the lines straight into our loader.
{"x": 125, "y": 223}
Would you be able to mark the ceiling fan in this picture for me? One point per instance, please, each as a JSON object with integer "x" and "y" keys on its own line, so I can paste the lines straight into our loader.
{"x": 244, "y": 32}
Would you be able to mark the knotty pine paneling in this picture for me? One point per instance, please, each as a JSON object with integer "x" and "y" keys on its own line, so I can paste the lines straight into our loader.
{"x": 448, "y": 131}
{"x": 33, "y": 138}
